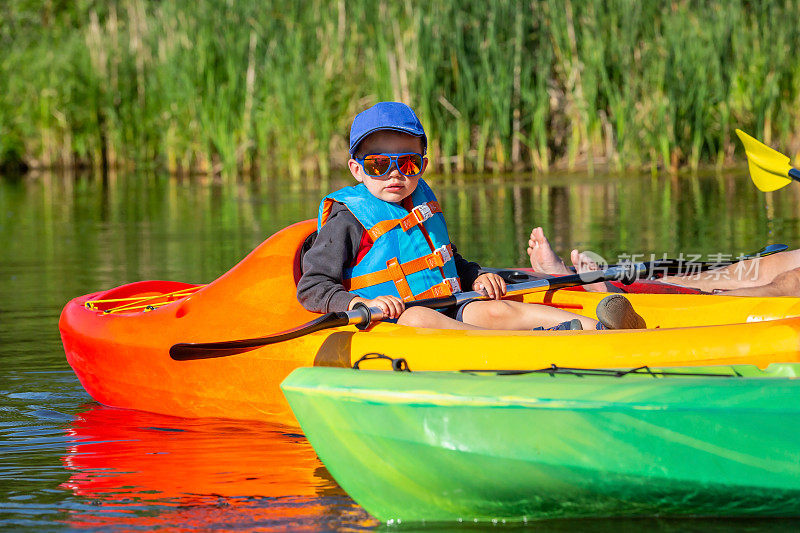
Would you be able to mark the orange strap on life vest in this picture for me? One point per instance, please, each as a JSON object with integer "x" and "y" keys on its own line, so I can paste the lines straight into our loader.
{"x": 395, "y": 270}
{"x": 435, "y": 259}
{"x": 416, "y": 216}
{"x": 445, "y": 288}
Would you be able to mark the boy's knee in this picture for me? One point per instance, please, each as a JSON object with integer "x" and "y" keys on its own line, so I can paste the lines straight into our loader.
{"x": 418, "y": 317}
{"x": 494, "y": 309}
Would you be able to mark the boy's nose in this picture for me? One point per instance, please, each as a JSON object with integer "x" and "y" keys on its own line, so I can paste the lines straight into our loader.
{"x": 394, "y": 172}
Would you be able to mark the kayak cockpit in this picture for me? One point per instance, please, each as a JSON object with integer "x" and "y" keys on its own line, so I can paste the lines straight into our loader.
{"x": 141, "y": 296}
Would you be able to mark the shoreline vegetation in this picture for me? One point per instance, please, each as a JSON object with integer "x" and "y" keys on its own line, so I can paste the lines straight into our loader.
{"x": 250, "y": 88}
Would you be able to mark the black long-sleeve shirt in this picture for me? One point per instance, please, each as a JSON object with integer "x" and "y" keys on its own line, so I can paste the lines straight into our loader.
{"x": 320, "y": 288}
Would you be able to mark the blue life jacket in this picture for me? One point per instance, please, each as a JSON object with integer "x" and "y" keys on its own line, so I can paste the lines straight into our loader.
{"x": 402, "y": 261}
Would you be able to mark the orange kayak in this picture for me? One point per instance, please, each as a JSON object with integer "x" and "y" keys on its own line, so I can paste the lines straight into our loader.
{"x": 118, "y": 341}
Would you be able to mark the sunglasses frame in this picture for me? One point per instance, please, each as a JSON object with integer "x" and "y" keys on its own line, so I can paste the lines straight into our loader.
{"x": 392, "y": 160}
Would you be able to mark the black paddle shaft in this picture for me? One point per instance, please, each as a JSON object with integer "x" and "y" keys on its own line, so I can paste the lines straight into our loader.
{"x": 361, "y": 316}
{"x": 186, "y": 351}
{"x": 658, "y": 268}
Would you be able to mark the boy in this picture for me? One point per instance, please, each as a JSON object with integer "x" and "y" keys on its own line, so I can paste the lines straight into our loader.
{"x": 384, "y": 241}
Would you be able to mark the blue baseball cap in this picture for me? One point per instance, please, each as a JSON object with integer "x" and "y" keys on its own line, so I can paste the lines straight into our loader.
{"x": 393, "y": 116}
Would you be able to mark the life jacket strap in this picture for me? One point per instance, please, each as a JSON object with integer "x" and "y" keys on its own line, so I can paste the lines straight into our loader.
{"x": 395, "y": 270}
{"x": 435, "y": 259}
{"x": 446, "y": 288}
{"x": 416, "y": 216}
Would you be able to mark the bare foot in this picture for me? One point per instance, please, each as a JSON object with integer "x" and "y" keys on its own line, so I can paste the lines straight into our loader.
{"x": 542, "y": 256}
{"x": 587, "y": 261}
{"x": 590, "y": 262}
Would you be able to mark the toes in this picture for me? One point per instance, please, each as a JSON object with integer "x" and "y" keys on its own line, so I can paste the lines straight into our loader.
{"x": 593, "y": 261}
{"x": 583, "y": 261}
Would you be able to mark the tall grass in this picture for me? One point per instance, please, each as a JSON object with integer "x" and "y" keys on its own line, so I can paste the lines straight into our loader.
{"x": 222, "y": 86}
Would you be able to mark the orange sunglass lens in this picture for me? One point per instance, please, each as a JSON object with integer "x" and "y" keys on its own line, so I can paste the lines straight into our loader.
{"x": 409, "y": 164}
{"x": 376, "y": 165}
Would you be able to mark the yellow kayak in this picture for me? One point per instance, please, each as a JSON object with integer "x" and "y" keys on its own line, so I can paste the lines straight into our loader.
{"x": 118, "y": 341}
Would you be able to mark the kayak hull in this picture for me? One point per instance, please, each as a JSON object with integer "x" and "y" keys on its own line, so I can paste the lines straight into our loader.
{"x": 441, "y": 447}
{"x": 122, "y": 358}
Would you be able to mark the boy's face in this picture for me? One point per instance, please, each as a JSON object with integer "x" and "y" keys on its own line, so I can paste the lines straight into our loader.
{"x": 392, "y": 186}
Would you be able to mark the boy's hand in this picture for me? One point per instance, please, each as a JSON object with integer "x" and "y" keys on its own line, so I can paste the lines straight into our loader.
{"x": 392, "y": 306}
{"x": 493, "y": 285}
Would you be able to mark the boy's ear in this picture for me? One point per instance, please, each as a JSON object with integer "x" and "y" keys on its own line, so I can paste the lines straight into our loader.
{"x": 424, "y": 164}
{"x": 355, "y": 169}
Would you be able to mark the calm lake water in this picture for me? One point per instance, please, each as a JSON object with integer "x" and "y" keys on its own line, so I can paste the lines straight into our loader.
{"x": 67, "y": 462}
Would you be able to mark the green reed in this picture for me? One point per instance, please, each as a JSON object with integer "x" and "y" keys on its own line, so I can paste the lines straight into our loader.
{"x": 228, "y": 87}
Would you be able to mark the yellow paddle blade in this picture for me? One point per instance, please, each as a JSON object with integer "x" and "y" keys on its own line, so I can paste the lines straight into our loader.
{"x": 769, "y": 169}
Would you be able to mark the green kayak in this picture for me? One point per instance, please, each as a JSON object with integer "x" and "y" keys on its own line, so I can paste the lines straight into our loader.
{"x": 450, "y": 446}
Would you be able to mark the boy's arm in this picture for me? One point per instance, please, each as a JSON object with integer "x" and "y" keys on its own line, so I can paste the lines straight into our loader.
{"x": 320, "y": 288}
{"x": 468, "y": 271}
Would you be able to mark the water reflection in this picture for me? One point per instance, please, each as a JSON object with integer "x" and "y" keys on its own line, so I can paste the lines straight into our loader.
{"x": 490, "y": 217}
{"x": 145, "y": 471}
{"x": 137, "y": 227}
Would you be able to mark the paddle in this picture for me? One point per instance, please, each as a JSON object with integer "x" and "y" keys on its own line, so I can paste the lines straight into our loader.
{"x": 664, "y": 266}
{"x": 684, "y": 266}
{"x": 361, "y": 316}
{"x": 769, "y": 169}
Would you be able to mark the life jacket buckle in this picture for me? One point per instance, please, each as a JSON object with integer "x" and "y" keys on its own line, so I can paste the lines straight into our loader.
{"x": 455, "y": 285}
{"x": 422, "y": 212}
{"x": 444, "y": 253}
